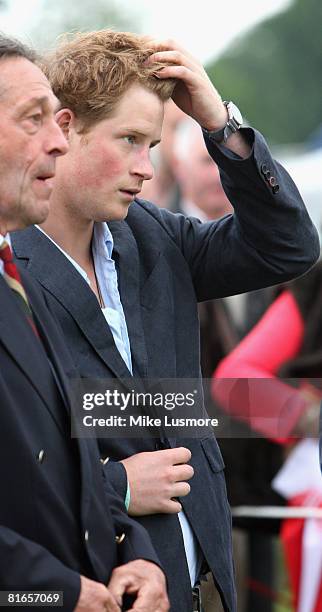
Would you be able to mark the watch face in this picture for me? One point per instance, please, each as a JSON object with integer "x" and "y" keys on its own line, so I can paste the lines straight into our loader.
{"x": 236, "y": 113}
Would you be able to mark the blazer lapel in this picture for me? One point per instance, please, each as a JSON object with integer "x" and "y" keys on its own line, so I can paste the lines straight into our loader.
{"x": 21, "y": 343}
{"x": 56, "y": 274}
{"x": 42, "y": 326}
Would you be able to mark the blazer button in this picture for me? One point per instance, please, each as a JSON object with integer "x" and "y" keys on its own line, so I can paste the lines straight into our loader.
{"x": 119, "y": 539}
{"x": 86, "y": 535}
{"x": 104, "y": 461}
{"x": 265, "y": 170}
{"x": 276, "y": 188}
{"x": 272, "y": 181}
{"x": 41, "y": 455}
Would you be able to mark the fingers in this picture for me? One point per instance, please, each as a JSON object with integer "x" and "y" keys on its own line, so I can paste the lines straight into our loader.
{"x": 172, "y": 57}
{"x": 95, "y": 597}
{"x": 172, "y": 506}
{"x": 149, "y": 604}
{"x": 182, "y": 472}
{"x": 118, "y": 584}
{"x": 181, "y": 489}
{"x": 156, "y": 478}
{"x": 180, "y": 73}
{"x": 161, "y": 46}
{"x": 194, "y": 92}
{"x": 170, "y": 456}
{"x": 179, "y": 65}
{"x": 124, "y": 580}
{"x": 146, "y": 580}
{"x": 110, "y": 604}
{"x": 179, "y": 455}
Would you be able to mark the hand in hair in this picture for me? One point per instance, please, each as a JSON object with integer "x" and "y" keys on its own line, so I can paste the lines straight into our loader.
{"x": 194, "y": 93}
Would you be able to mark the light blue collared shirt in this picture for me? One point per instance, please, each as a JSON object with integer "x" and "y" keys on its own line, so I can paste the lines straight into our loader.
{"x": 102, "y": 249}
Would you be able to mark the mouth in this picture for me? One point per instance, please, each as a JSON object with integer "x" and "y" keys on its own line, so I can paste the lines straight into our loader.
{"x": 130, "y": 193}
{"x": 45, "y": 183}
{"x": 45, "y": 176}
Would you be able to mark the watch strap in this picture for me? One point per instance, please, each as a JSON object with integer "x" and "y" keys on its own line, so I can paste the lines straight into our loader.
{"x": 225, "y": 132}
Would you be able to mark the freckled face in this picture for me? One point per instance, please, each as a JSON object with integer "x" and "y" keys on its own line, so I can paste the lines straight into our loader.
{"x": 105, "y": 168}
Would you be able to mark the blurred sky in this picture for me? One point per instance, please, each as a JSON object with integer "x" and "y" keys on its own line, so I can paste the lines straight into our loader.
{"x": 205, "y": 27}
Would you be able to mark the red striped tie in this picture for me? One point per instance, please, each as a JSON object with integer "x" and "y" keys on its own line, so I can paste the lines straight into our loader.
{"x": 12, "y": 277}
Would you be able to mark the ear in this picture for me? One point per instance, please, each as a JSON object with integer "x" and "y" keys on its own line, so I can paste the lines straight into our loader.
{"x": 65, "y": 119}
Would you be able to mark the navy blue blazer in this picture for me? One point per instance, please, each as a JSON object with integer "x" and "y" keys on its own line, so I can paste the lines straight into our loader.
{"x": 59, "y": 517}
{"x": 167, "y": 263}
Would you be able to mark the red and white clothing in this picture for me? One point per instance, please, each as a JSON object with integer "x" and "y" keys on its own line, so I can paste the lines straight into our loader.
{"x": 268, "y": 405}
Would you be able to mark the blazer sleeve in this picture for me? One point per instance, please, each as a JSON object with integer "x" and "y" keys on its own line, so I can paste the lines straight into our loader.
{"x": 266, "y": 403}
{"x": 137, "y": 543}
{"x": 27, "y": 566}
{"x": 269, "y": 239}
{"x": 117, "y": 476}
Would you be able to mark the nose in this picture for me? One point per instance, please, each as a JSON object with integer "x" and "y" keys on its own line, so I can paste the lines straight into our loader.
{"x": 56, "y": 143}
{"x": 142, "y": 165}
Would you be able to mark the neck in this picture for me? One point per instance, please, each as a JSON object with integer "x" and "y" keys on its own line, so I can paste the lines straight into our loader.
{"x": 72, "y": 234}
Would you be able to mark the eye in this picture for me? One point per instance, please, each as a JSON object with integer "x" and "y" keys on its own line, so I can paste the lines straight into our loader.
{"x": 36, "y": 118}
{"x": 34, "y": 121}
{"x": 130, "y": 139}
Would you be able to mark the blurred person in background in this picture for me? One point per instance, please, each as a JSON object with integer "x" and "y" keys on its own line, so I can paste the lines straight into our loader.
{"x": 285, "y": 347}
{"x": 197, "y": 174}
{"x": 163, "y": 188}
{"x": 134, "y": 272}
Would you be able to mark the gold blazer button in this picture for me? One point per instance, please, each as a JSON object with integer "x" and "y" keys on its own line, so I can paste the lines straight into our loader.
{"x": 119, "y": 539}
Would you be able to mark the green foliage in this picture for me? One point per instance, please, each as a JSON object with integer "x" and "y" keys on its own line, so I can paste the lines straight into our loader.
{"x": 274, "y": 73}
{"x": 59, "y": 16}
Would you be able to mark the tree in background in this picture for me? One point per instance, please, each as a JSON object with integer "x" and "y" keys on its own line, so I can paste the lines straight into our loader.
{"x": 58, "y": 16}
{"x": 274, "y": 73}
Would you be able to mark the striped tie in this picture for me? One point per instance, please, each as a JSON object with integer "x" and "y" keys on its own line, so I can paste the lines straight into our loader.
{"x": 12, "y": 277}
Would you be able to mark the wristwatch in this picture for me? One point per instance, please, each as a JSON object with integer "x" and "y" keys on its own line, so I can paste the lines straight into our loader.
{"x": 235, "y": 121}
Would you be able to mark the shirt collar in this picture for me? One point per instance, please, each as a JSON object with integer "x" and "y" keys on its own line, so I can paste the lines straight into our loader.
{"x": 6, "y": 237}
{"x": 102, "y": 237}
{"x": 2, "y": 238}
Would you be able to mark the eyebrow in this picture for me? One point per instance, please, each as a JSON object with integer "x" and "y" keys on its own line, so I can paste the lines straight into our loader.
{"x": 33, "y": 101}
